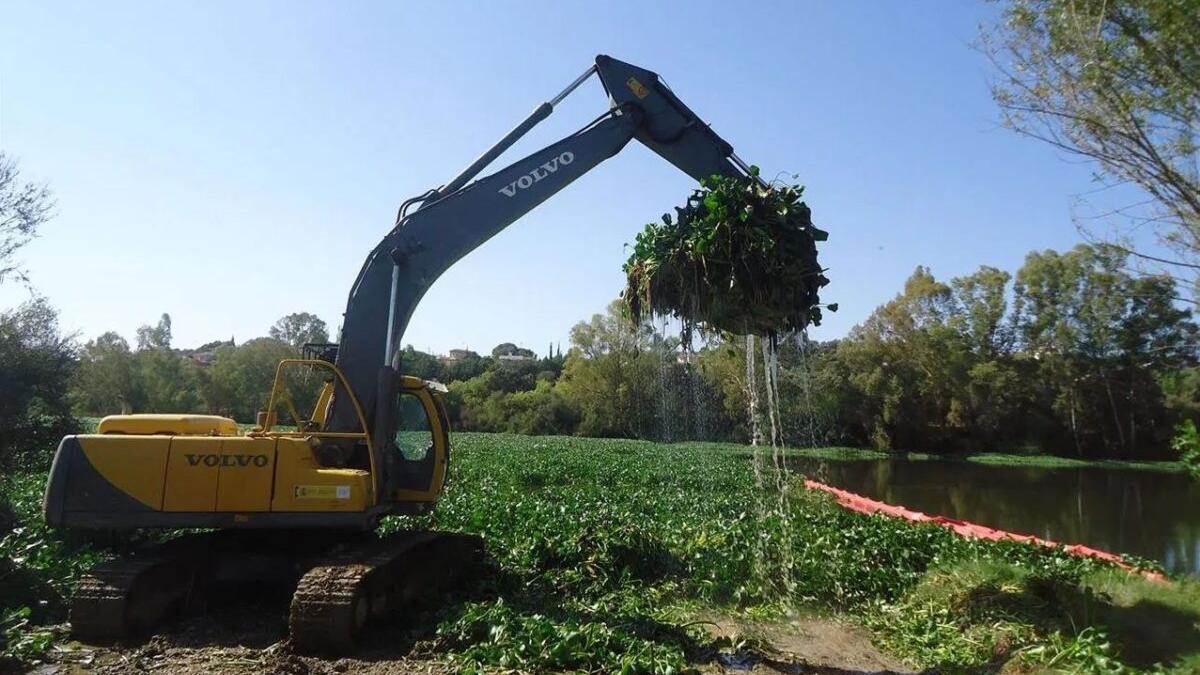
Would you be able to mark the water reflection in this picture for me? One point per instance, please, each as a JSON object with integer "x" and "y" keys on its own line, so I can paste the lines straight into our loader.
{"x": 1150, "y": 514}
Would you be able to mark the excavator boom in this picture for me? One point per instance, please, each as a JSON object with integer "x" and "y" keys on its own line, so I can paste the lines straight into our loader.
{"x": 457, "y": 218}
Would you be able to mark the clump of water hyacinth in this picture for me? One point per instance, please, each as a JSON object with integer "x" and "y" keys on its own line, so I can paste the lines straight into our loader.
{"x": 740, "y": 256}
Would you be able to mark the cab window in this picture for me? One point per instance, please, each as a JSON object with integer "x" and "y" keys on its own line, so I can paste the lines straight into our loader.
{"x": 413, "y": 437}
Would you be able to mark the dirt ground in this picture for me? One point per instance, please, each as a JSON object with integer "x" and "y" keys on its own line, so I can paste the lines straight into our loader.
{"x": 250, "y": 640}
{"x": 801, "y": 645}
{"x": 239, "y": 640}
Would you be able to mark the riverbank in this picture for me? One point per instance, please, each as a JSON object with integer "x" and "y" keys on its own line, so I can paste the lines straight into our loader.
{"x": 990, "y": 459}
{"x": 1056, "y": 462}
{"x": 610, "y": 554}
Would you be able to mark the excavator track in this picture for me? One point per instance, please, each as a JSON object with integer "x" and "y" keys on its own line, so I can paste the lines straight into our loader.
{"x": 338, "y": 597}
{"x": 344, "y": 582}
{"x": 133, "y": 594}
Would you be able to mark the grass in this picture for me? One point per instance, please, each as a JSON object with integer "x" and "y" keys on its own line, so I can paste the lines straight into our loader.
{"x": 604, "y": 554}
{"x": 1056, "y": 462}
{"x": 993, "y": 459}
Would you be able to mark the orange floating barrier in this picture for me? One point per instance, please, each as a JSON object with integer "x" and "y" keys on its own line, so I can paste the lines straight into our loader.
{"x": 861, "y": 504}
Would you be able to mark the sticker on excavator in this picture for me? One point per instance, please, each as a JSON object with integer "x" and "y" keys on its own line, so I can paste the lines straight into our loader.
{"x": 322, "y": 492}
{"x": 636, "y": 87}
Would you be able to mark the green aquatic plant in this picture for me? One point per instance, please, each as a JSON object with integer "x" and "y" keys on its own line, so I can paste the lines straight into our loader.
{"x": 608, "y": 555}
{"x": 739, "y": 256}
{"x": 632, "y": 542}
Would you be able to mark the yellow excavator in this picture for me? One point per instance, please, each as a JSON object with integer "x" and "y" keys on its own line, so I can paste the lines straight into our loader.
{"x": 301, "y": 501}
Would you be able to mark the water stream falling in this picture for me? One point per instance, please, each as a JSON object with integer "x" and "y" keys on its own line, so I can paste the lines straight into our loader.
{"x": 781, "y": 411}
{"x": 780, "y": 415}
{"x": 688, "y": 405}
{"x": 752, "y": 397}
{"x": 666, "y": 416}
{"x": 774, "y": 508}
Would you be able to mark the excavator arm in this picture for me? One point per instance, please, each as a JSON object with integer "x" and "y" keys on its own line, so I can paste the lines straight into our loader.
{"x": 457, "y": 218}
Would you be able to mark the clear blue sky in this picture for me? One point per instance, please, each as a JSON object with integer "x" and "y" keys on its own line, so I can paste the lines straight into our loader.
{"x": 230, "y": 162}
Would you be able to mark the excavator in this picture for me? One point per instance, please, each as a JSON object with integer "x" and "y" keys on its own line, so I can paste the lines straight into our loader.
{"x": 301, "y": 501}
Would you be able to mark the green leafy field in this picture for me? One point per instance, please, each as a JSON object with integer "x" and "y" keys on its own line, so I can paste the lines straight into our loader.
{"x": 606, "y": 555}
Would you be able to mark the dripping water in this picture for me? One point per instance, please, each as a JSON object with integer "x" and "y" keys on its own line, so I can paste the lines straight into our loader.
{"x": 685, "y": 412}
{"x": 666, "y": 418}
{"x": 686, "y": 403}
{"x": 794, "y": 422}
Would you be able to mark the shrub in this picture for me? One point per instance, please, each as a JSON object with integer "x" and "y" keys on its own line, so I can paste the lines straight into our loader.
{"x": 36, "y": 363}
{"x": 1187, "y": 444}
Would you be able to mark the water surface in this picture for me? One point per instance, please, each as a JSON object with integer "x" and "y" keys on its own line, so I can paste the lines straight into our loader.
{"x": 1151, "y": 514}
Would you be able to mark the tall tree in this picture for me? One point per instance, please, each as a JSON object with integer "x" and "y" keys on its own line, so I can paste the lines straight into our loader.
{"x": 980, "y": 310}
{"x": 993, "y": 396}
{"x": 298, "y": 328}
{"x": 610, "y": 376}
{"x": 169, "y": 381}
{"x": 36, "y": 363}
{"x": 1117, "y": 82}
{"x": 157, "y": 336}
{"x": 1099, "y": 335}
{"x": 107, "y": 380}
{"x": 910, "y": 367}
{"x": 241, "y": 377}
{"x": 24, "y": 207}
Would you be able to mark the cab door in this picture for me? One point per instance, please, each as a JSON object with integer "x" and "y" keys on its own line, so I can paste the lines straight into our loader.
{"x": 416, "y": 451}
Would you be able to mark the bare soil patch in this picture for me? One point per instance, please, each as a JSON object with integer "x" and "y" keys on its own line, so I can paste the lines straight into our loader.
{"x": 245, "y": 640}
{"x": 800, "y": 645}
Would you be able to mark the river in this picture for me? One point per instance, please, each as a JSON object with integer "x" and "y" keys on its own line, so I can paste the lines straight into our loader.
{"x": 1151, "y": 514}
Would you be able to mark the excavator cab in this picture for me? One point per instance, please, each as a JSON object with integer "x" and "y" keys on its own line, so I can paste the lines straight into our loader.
{"x": 407, "y": 448}
{"x": 415, "y": 441}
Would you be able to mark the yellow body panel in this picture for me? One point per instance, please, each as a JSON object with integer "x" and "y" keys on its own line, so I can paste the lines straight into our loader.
{"x": 192, "y": 481}
{"x": 168, "y": 425}
{"x": 137, "y": 466}
{"x": 199, "y": 471}
{"x": 302, "y": 485}
{"x": 189, "y": 474}
{"x": 247, "y": 472}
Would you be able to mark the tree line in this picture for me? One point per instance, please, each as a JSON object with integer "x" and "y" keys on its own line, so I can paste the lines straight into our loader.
{"x": 218, "y": 377}
{"x": 1071, "y": 355}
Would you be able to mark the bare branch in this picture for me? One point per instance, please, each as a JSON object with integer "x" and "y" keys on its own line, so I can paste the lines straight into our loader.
{"x": 23, "y": 208}
{"x": 1114, "y": 81}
